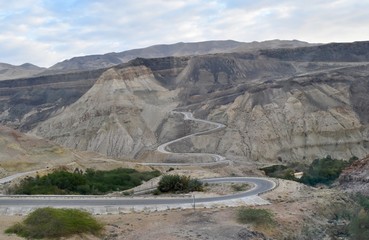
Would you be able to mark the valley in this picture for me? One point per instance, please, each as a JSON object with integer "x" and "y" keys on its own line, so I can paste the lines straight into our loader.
{"x": 223, "y": 110}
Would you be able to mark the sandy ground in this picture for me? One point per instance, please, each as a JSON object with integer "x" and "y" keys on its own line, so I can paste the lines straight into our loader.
{"x": 5, "y": 222}
{"x": 198, "y": 224}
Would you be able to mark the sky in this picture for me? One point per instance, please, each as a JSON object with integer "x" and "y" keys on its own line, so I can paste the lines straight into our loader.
{"x": 44, "y": 32}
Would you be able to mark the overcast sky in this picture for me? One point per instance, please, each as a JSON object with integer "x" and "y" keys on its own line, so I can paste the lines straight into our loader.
{"x": 44, "y": 32}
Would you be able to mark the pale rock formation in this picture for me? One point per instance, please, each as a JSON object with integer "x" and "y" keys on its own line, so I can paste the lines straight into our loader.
{"x": 117, "y": 117}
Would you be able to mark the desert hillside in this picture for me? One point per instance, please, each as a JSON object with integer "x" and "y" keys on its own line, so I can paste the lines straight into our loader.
{"x": 279, "y": 105}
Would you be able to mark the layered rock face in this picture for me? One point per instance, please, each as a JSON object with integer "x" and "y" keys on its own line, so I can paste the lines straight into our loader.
{"x": 303, "y": 122}
{"x": 118, "y": 116}
{"x": 27, "y": 101}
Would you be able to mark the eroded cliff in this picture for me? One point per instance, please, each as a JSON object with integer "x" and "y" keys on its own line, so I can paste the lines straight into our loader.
{"x": 118, "y": 116}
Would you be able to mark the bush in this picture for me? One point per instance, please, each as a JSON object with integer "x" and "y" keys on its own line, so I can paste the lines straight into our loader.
{"x": 56, "y": 223}
{"x": 91, "y": 182}
{"x": 255, "y": 216}
{"x": 323, "y": 171}
{"x": 179, "y": 184}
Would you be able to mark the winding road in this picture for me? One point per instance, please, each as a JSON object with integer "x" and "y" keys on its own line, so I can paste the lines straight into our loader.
{"x": 260, "y": 185}
{"x": 218, "y": 159}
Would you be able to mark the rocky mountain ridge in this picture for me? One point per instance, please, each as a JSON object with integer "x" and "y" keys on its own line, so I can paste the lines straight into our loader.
{"x": 275, "y": 109}
{"x": 165, "y": 50}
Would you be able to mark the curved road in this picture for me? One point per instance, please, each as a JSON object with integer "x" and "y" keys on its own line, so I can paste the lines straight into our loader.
{"x": 260, "y": 185}
{"x": 218, "y": 159}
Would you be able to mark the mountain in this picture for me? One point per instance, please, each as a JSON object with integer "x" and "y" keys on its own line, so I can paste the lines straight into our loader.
{"x": 279, "y": 105}
{"x": 117, "y": 117}
{"x": 164, "y": 50}
{"x": 8, "y": 71}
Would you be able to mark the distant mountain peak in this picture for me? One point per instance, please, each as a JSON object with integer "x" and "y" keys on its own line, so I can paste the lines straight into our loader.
{"x": 165, "y": 50}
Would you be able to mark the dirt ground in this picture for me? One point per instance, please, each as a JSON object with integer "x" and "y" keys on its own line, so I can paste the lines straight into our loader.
{"x": 198, "y": 224}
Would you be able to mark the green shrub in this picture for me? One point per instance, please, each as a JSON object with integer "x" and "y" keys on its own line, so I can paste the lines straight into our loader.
{"x": 255, "y": 216}
{"x": 56, "y": 223}
{"x": 179, "y": 184}
{"x": 323, "y": 171}
{"x": 91, "y": 182}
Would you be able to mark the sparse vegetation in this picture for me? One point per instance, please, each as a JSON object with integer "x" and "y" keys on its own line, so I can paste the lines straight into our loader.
{"x": 280, "y": 171}
{"x": 255, "y": 216}
{"x": 179, "y": 184}
{"x": 90, "y": 182}
{"x": 240, "y": 187}
{"x": 359, "y": 224}
{"x": 323, "y": 171}
{"x": 56, "y": 223}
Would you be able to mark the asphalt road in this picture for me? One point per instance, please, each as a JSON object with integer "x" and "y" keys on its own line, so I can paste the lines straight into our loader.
{"x": 189, "y": 116}
{"x": 260, "y": 185}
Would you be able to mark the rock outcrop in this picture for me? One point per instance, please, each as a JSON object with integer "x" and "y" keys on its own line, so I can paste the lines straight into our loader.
{"x": 355, "y": 179}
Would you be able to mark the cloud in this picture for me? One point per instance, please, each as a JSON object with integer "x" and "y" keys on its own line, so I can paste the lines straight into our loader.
{"x": 45, "y": 31}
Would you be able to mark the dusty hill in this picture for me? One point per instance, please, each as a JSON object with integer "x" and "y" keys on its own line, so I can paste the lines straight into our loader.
{"x": 20, "y": 152}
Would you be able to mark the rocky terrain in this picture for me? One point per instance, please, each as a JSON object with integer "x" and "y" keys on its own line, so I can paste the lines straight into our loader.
{"x": 355, "y": 179}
